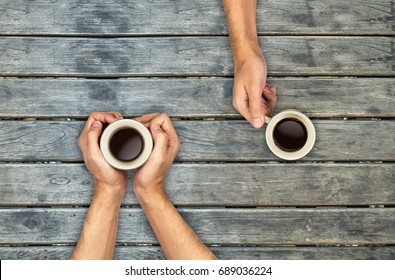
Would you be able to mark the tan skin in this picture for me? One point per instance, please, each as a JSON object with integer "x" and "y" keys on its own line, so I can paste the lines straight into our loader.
{"x": 176, "y": 238}
{"x": 252, "y": 97}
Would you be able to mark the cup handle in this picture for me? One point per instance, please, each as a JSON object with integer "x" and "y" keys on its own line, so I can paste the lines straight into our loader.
{"x": 267, "y": 119}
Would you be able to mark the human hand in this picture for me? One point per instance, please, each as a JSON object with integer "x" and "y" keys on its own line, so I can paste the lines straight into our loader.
{"x": 252, "y": 97}
{"x": 108, "y": 180}
{"x": 150, "y": 178}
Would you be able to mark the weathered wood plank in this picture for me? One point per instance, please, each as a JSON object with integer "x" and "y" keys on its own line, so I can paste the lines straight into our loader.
{"x": 77, "y": 17}
{"x": 213, "y": 185}
{"x": 185, "y": 56}
{"x": 226, "y": 253}
{"x": 204, "y": 141}
{"x": 192, "y": 97}
{"x": 242, "y": 226}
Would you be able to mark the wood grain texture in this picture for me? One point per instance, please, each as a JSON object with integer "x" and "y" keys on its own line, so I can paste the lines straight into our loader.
{"x": 192, "y": 56}
{"x": 77, "y": 17}
{"x": 214, "y": 226}
{"x": 225, "y": 253}
{"x": 212, "y": 185}
{"x": 206, "y": 141}
{"x": 174, "y": 56}
{"x": 192, "y": 97}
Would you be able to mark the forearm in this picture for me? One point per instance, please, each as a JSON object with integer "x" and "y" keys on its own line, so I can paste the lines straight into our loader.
{"x": 241, "y": 19}
{"x": 97, "y": 240}
{"x": 177, "y": 239}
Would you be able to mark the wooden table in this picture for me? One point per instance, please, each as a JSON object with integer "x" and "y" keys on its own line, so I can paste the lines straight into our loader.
{"x": 333, "y": 60}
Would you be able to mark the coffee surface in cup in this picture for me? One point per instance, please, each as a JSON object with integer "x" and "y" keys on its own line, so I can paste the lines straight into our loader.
{"x": 126, "y": 144}
{"x": 290, "y": 134}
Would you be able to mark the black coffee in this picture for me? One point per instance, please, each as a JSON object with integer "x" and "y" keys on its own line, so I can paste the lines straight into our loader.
{"x": 290, "y": 135}
{"x": 126, "y": 144}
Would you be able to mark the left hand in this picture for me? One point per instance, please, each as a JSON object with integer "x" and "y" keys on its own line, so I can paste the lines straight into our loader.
{"x": 108, "y": 180}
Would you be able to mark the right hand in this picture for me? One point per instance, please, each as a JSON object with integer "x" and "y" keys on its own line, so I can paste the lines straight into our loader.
{"x": 149, "y": 180}
{"x": 252, "y": 97}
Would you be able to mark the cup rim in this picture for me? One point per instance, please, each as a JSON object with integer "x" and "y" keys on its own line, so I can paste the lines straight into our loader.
{"x": 311, "y": 134}
{"x": 110, "y": 130}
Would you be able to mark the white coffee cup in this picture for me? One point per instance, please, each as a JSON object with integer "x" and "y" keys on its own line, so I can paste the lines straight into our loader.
{"x": 279, "y": 136}
{"x": 126, "y": 144}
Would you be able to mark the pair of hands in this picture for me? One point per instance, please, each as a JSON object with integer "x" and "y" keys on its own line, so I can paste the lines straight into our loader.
{"x": 148, "y": 179}
{"x": 252, "y": 97}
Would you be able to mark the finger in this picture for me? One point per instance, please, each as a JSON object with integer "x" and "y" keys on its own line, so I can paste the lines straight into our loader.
{"x": 103, "y": 117}
{"x": 255, "y": 107}
{"x": 270, "y": 99}
{"x": 270, "y": 92}
{"x": 92, "y": 139}
{"x": 160, "y": 141}
{"x": 164, "y": 121}
{"x": 167, "y": 126}
{"x": 240, "y": 102}
{"x": 117, "y": 115}
{"x": 146, "y": 118}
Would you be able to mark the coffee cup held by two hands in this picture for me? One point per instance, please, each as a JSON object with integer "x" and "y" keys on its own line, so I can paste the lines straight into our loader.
{"x": 126, "y": 144}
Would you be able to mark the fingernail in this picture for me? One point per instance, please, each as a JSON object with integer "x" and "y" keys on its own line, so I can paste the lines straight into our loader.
{"x": 257, "y": 123}
{"x": 267, "y": 90}
{"x": 96, "y": 124}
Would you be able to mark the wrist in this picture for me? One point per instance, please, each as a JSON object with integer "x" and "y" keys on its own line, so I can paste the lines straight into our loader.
{"x": 109, "y": 194}
{"x": 246, "y": 51}
{"x": 150, "y": 198}
{"x": 102, "y": 210}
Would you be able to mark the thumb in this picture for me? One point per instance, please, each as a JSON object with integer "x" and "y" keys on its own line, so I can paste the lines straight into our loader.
{"x": 160, "y": 139}
{"x": 93, "y": 137}
{"x": 255, "y": 106}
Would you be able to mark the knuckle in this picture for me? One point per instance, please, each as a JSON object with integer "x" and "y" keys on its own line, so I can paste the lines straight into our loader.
{"x": 157, "y": 161}
{"x": 80, "y": 142}
{"x": 94, "y": 115}
{"x": 94, "y": 157}
{"x": 235, "y": 103}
